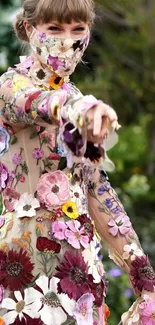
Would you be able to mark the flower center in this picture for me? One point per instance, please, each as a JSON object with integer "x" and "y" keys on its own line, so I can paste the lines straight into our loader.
{"x": 55, "y": 189}
{"x": 146, "y": 273}
{"x": 51, "y": 299}
{"x": 119, "y": 223}
{"x": 153, "y": 315}
{"x": 77, "y": 235}
{"x": 14, "y": 269}
{"x": 20, "y": 306}
{"x": 70, "y": 210}
{"x": 77, "y": 275}
{"x": 87, "y": 227}
{"x": 84, "y": 311}
{"x": 27, "y": 207}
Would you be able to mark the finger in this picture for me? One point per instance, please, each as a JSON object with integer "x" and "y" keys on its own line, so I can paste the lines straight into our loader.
{"x": 109, "y": 112}
{"x": 97, "y": 121}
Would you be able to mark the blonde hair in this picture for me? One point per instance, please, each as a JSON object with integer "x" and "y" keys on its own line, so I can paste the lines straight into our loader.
{"x": 44, "y": 11}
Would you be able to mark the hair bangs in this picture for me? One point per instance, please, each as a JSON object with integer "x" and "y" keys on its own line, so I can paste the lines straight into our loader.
{"x": 65, "y": 11}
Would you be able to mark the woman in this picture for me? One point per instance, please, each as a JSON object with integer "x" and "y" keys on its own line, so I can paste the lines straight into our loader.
{"x": 51, "y": 191}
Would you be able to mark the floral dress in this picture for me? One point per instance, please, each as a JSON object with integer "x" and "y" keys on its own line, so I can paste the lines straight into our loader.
{"x": 51, "y": 270}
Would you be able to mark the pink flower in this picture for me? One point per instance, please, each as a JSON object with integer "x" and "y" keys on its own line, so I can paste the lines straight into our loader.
{"x": 43, "y": 134}
{"x": 43, "y": 106}
{"x": 1, "y": 293}
{"x": 22, "y": 179}
{"x": 76, "y": 236}
{"x": 38, "y": 128}
{"x": 53, "y": 189}
{"x": 148, "y": 312}
{"x": 120, "y": 225}
{"x": 17, "y": 159}
{"x": 10, "y": 198}
{"x": 58, "y": 229}
{"x": 83, "y": 312}
{"x": 55, "y": 62}
{"x": 37, "y": 153}
{"x": 52, "y": 140}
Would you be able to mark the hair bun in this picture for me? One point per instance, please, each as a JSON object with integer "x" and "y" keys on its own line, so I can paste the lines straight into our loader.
{"x": 19, "y": 27}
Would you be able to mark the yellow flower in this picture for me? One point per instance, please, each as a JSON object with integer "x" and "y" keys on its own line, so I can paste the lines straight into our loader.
{"x": 55, "y": 81}
{"x": 34, "y": 114}
{"x": 96, "y": 233}
{"x": 69, "y": 175}
{"x": 69, "y": 208}
{"x": 20, "y": 82}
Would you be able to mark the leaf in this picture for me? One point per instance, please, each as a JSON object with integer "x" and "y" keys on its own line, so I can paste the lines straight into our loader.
{"x": 13, "y": 139}
{"x": 69, "y": 322}
{"x": 25, "y": 168}
{"x": 1, "y": 203}
{"x": 34, "y": 134}
{"x": 63, "y": 163}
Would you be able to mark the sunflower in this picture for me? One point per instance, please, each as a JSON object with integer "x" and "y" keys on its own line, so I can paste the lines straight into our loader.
{"x": 56, "y": 81}
{"x": 15, "y": 269}
{"x": 69, "y": 208}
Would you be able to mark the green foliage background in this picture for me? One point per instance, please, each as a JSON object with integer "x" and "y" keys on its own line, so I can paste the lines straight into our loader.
{"x": 119, "y": 69}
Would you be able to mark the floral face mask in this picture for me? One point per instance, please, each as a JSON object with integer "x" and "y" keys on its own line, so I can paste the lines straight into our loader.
{"x": 59, "y": 55}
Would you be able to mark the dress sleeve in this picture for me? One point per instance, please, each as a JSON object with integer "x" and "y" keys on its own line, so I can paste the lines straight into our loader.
{"x": 125, "y": 250}
{"x": 22, "y": 102}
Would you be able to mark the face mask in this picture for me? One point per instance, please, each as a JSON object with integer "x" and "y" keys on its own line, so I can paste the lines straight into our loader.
{"x": 60, "y": 55}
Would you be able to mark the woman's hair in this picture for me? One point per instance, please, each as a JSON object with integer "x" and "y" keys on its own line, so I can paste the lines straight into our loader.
{"x": 44, "y": 11}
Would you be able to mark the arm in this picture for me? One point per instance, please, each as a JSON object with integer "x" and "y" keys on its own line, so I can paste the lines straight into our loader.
{"x": 124, "y": 248}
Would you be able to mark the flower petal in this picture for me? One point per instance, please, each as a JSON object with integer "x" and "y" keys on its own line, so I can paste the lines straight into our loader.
{"x": 67, "y": 303}
{"x": 18, "y": 295}
{"x": 42, "y": 282}
{"x": 8, "y": 303}
{"x": 10, "y": 317}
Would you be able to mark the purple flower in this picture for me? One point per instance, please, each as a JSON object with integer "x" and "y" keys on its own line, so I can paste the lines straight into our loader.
{"x": 103, "y": 189}
{"x": 17, "y": 159}
{"x": 73, "y": 139}
{"x": 120, "y": 225}
{"x": 37, "y": 153}
{"x": 42, "y": 37}
{"x": 115, "y": 272}
{"x": 28, "y": 62}
{"x": 4, "y": 176}
{"x": 1, "y": 221}
{"x": 4, "y": 141}
{"x": 116, "y": 210}
{"x": 55, "y": 62}
{"x": 99, "y": 251}
{"x": 109, "y": 203}
{"x": 128, "y": 293}
{"x": 83, "y": 312}
{"x": 1, "y": 293}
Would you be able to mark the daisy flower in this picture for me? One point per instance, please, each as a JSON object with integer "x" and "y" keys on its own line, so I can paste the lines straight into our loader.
{"x": 26, "y": 206}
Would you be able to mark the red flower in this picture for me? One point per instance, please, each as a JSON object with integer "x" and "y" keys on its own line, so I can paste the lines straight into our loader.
{"x": 54, "y": 156}
{"x": 15, "y": 269}
{"x": 28, "y": 321}
{"x": 97, "y": 289}
{"x": 73, "y": 275}
{"x": 31, "y": 98}
{"x": 45, "y": 244}
{"x": 59, "y": 213}
{"x": 22, "y": 179}
{"x": 142, "y": 274}
{"x": 87, "y": 224}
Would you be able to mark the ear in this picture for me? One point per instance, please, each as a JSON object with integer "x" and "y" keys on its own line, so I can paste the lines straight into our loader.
{"x": 28, "y": 28}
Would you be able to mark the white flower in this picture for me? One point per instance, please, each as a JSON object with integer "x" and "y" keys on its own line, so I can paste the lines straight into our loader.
{"x": 131, "y": 251}
{"x": 26, "y": 306}
{"x": 79, "y": 198}
{"x": 62, "y": 49}
{"x": 53, "y": 303}
{"x": 26, "y": 206}
{"x": 95, "y": 266}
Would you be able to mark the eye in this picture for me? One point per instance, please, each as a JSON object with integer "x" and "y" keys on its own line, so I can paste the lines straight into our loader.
{"x": 53, "y": 28}
{"x": 79, "y": 29}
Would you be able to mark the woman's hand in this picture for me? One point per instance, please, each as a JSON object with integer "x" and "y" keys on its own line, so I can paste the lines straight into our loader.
{"x": 101, "y": 117}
